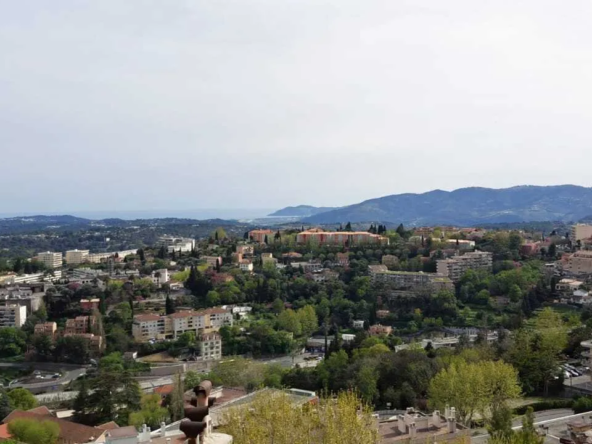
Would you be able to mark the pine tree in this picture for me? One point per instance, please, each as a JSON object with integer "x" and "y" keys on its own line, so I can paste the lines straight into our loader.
{"x": 401, "y": 230}
{"x": 173, "y": 255}
{"x": 80, "y": 403}
{"x": 142, "y": 255}
{"x": 218, "y": 266}
{"x": 216, "y": 235}
{"x": 348, "y": 227}
{"x": 265, "y": 240}
{"x": 169, "y": 305}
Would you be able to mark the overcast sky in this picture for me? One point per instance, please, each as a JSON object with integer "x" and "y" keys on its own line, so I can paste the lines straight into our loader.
{"x": 136, "y": 105}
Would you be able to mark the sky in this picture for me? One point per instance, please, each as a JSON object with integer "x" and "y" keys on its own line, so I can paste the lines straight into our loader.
{"x": 172, "y": 105}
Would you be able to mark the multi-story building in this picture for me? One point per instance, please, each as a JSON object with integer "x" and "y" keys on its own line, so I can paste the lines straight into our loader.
{"x": 90, "y": 304}
{"x": 378, "y": 330}
{"x": 160, "y": 277}
{"x": 31, "y": 297}
{"x": 568, "y": 285}
{"x": 80, "y": 325}
{"x": 211, "y": 346}
{"x": 579, "y": 263}
{"x": 94, "y": 341}
{"x": 580, "y": 232}
{"x": 456, "y": 267}
{"x": 245, "y": 250}
{"x": 171, "y": 243}
{"x": 212, "y": 261}
{"x": 46, "y": 328}
{"x": 13, "y": 315}
{"x": 342, "y": 259}
{"x": 261, "y": 236}
{"x": 341, "y": 238}
{"x": 413, "y": 282}
{"x": 308, "y": 267}
{"x": 75, "y": 257}
{"x": 50, "y": 260}
{"x": 246, "y": 265}
{"x": 150, "y": 326}
{"x": 219, "y": 317}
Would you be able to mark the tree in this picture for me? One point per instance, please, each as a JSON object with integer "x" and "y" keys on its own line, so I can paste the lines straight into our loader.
{"x": 192, "y": 379}
{"x": 274, "y": 419}
{"x": 151, "y": 413}
{"x": 401, "y": 231}
{"x": 552, "y": 250}
{"x": 43, "y": 346}
{"x": 289, "y": 321}
{"x": 348, "y": 226}
{"x": 115, "y": 394}
{"x": 176, "y": 400}
{"x": 79, "y": 404}
{"x": 12, "y": 342}
{"x": 169, "y": 305}
{"x": 481, "y": 387}
{"x": 22, "y": 399}
{"x": 142, "y": 256}
{"x": 31, "y": 431}
{"x": 5, "y": 407}
{"x": 73, "y": 349}
{"x": 308, "y": 320}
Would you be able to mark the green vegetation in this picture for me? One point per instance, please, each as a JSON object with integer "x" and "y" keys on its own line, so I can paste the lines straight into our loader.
{"x": 30, "y": 431}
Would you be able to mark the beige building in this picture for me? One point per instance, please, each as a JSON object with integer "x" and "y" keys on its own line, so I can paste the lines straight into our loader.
{"x": 349, "y": 238}
{"x": 413, "y": 281}
{"x": 13, "y": 315}
{"x": 212, "y": 261}
{"x": 80, "y": 325}
{"x": 46, "y": 328}
{"x": 211, "y": 346}
{"x": 579, "y": 263}
{"x": 50, "y": 260}
{"x": 580, "y": 231}
{"x": 246, "y": 265}
{"x": 456, "y": 267}
{"x": 568, "y": 285}
{"x": 151, "y": 326}
{"x": 75, "y": 257}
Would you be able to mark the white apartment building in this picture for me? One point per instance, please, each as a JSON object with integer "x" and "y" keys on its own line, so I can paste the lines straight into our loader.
{"x": 75, "y": 257}
{"x": 150, "y": 326}
{"x": 182, "y": 244}
{"x": 160, "y": 277}
{"x": 580, "y": 231}
{"x": 50, "y": 260}
{"x": 219, "y": 317}
{"x": 456, "y": 267}
{"x": 246, "y": 265}
{"x": 211, "y": 346}
{"x": 13, "y": 315}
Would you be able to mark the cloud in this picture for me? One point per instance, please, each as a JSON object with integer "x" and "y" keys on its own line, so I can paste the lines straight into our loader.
{"x": 259, "y": 103}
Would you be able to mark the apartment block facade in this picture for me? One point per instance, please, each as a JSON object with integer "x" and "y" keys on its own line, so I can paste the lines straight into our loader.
{"x": 80, "y": 325}
{"x": 13, "y": 315}
{"x": 580, "y": 231}
{"x": 413, "y": 281}
{"x": 579, "y": 263}
{"x": 260, "y": 235}
{"x": 211, "y": 346}
{"x": 455, "y": 268}
{"x": 75, "y": 257}
{"x": 341, "y": 238}
{"x": 150, "y": 326}
{"x": 50, "y": 259}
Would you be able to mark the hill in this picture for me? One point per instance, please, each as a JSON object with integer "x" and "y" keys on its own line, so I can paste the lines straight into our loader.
{"x": 301, "y": 211}
{"x": 469, "y": 206}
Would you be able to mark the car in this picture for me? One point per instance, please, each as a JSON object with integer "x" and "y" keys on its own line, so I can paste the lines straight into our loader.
{"x": 56, "y": 376}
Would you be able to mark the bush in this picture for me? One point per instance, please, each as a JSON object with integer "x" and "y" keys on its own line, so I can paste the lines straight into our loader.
{"x": 545, "y": 405}
{"x": 583, "y": 404}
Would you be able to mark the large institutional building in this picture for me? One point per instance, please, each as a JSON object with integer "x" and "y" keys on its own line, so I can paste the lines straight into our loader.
{"x": 580, "y": 231}
{"x": 456, "y": 267}
{"x": 341, "y": 238}
{"x": 151, "y": 326}
{"x": 50, "y": 260}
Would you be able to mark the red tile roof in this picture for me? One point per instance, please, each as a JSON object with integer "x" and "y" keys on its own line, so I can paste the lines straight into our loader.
{"x": 4, "y": 433}
{"x": 69, "y": 431}
{"x": 108, "y": 426}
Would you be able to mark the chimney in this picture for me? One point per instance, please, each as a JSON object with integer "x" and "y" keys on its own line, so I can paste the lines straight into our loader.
{"x": 451, "y": 425}
{"x": 447, "y": 412}
{"x": 401, "y": 424}
{"x": 412, "y": 430}
{"x": 453, "y": 413}
{"x": 163, "y": 429}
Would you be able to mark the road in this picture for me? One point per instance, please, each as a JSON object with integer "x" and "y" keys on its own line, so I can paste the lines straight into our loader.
{"x": 288, "y": 362}
{"x": 69, "y": 373}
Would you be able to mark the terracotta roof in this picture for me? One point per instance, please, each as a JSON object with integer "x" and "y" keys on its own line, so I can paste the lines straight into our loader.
{"x": 146, "y": 317}
{"x": 108, "y": 426}
{"x": 217, "y": 311}
{"x": 185, "y": 314}
{"x": 164, "y": 389}
{"x": 41, "y": 410}
{"x": 69, "y": 431}
{"x": 4, "y": 433}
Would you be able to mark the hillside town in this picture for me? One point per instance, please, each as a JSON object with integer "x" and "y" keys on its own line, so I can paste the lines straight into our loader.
{"x": 297, "y": 311}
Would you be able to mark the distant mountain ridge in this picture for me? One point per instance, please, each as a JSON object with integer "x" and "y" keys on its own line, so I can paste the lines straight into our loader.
{"x": 468, "y": 206}
{"x": 301, "y": 211}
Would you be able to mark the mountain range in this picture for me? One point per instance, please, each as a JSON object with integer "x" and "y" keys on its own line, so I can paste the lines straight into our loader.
{"x": 301, "y": 211}
{"x": 465, "y": 206}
